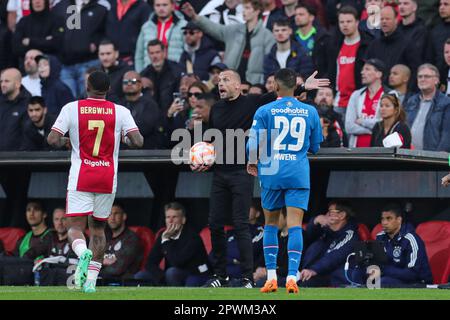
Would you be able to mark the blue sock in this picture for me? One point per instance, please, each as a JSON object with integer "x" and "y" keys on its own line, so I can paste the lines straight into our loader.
{"x": 270, "y": 244}
{"x": 295, "y": 247}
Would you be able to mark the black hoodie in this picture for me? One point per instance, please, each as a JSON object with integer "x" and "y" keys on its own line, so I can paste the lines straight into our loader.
{"x": 417, "y": 34}
{"x": 44, "y": 29}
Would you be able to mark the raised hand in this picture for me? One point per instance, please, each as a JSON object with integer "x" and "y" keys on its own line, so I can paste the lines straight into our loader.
{"x": 312, "y": 83}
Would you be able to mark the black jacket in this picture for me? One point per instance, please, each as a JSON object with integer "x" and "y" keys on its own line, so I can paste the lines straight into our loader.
{"x": 400, "y": 127}
{"x": 34, "y": 138}
{"x": 165, "y": 82}
{"x": 334, "y": 47}
{"x": 37, "y": 27}
{"x": 417, "y": 33}
{"x": 148, "y": 118}
{"x": 116, "y": 73}
{"x": 187, "y": 252}
{"x": 55, "y": 92}
{"x": 13, "y": 117}
{"x": 5, "y": 47}
{"x": 124, "y": 33}
{"x": 395, "y": 49}
{"x": 435, "y": 48}
{"x": 76, "y": 42}
{"x": 204, "y": 57}
{"x": 319, "y": 54}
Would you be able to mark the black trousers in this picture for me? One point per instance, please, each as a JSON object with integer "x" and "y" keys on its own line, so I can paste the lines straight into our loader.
{"x": 231, "y": 196}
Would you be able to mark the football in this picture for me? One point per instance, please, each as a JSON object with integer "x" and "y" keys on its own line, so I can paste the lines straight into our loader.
{"x": 202, "y": 153}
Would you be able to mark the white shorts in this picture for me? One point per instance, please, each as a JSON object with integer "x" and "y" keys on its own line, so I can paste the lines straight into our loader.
{"x": 98, "y": 205}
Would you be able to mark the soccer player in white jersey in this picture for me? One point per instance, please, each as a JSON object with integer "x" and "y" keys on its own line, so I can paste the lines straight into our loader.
{"x": 95, "y": 128}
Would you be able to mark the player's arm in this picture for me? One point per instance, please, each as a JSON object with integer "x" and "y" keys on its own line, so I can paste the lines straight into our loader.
{"x": 134, "y": 139}
{"x": 316, "y": 134}
{"x": 253, "y": 144}
{"x": 57, "y": 140}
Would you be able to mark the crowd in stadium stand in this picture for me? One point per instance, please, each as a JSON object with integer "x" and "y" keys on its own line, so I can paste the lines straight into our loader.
{"x": 388, "y": 63}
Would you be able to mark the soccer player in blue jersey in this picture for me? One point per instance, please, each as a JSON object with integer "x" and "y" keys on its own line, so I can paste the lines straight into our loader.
{"x": 282, "y": 133}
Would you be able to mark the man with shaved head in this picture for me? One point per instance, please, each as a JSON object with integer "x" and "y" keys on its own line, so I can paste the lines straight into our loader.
{"x": 144, "y": 110}
{"x": 398, "y": 80}
{"x": 232, "y": 187}
{"x": 393, "y": 47}
{"x": 13, "y": 112}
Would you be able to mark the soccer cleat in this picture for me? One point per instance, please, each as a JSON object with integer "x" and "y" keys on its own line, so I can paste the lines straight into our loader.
{"x": 216, "y": 282}
{"x": 82, "y": 268}
{"x": 89, "y": 287}
{"x": 291, "y": 286}
{"x": 270, "y": 286}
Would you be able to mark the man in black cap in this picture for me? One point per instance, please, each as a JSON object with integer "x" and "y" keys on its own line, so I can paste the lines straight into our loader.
{"x": 213, "y": 82}
{"x": 364, "y": 104}
{"x": 199, "y": 52}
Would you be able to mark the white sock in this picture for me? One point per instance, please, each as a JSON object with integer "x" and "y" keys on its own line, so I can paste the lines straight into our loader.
{"x": 298, "y": 276}
{"x": 291, "y": 278}
{"x": 93, "y": 271}
{"x": 271, "y": 274}
{"x": 79, "y": 246}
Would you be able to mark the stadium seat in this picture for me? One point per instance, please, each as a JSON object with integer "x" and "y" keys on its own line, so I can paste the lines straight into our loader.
{"x": 363, "y": 232}
{"x": 205, "y": 234}
{"x": 147, "y": 239}
{"x": 377, "y": 229}
{"x": 436, "y": 235}
{"x": 9, "y": 237}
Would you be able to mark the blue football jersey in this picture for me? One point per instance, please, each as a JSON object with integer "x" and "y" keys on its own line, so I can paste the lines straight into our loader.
{"x": 282, "y": 133}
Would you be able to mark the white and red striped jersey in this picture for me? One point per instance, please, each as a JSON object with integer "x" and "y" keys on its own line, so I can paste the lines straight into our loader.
{"x": 95, "y": 128}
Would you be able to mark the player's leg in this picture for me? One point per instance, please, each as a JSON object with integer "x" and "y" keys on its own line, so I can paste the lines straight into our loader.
{"x": 271, "y": 201}
{"x": 296, "y": 202}
{"x": 97, "y": 244}
{"x": 79, "y": 205}
{"x": 219, "y": 208}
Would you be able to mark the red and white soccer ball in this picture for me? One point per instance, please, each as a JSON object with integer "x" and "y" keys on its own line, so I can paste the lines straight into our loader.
{"x": 202, "y": 153}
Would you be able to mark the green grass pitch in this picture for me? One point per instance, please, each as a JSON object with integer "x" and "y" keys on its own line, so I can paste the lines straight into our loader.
{"x": 154, "y": 293}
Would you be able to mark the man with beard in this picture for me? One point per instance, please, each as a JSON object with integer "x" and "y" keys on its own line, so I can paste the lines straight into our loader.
{"x": 324, "y": 103}
{"x": 123, "y": 251}
{"x": 37, "y": 129}
{"x": 34, "y": 244}
{"x": 31, "y": 81}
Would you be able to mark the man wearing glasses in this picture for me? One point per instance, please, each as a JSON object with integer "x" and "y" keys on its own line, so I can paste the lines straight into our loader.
{"x": 144, "y": 110}
{"x": 199, "y": 53}
{"x": 428, "y": 112}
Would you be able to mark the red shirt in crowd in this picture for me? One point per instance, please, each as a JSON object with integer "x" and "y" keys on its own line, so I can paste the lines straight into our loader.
{"x": 368, "y": 111}
{"x": 345, "y": 79}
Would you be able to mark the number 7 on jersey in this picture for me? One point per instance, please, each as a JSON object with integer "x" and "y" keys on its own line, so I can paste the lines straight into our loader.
{"x": 100, "y": 125}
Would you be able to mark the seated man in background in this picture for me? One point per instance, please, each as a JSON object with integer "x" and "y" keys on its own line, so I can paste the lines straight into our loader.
{"x": 123, "y": 253}
{"x": 407, "y": 259}
{"x": 186, "y": 261}
{"x": 34, "y": 245}
{"x": 331, "y": 237}
{"x": 55, "y": 272}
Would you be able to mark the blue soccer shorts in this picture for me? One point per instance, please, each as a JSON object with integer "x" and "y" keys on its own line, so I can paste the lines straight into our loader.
{"x": 276, "y": 199}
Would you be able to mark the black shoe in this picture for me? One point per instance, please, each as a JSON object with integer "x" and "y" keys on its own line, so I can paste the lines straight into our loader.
{"x": 444, "y": 286}
{"x": 216, "y": 282}
{"x": 246, "y": 283}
